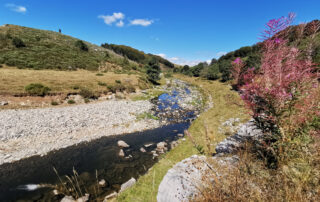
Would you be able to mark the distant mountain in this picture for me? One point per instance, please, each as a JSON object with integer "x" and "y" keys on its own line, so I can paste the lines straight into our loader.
{"x": 25, "y": 47}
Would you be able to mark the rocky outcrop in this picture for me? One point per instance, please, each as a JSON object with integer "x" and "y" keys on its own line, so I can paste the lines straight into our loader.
{"x": 247, "y": 132}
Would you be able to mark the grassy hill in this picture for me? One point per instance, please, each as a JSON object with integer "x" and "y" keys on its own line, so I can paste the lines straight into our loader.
{"x": 25, "y": 47}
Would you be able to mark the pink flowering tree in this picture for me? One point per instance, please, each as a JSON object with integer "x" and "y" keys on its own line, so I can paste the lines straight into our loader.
{"x": 285, "y": 91}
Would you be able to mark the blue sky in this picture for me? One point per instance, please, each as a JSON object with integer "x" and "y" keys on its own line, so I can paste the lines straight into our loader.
{"x": 184, "y": 31}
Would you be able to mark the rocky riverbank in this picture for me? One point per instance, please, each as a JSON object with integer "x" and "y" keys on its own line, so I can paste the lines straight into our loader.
{"x": 30, "y": 132}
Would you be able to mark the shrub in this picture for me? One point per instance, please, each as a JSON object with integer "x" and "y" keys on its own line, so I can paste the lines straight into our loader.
{"x": 130, "y": 89}
{"x": 118, "y": 81}
{"x": 86, "y": 100}
{"x": 54, "y": 103}
{"x": 71, "y": 102}
{"x": 17, "y": 42}
{"x": 81, "y": 45}
{"x": 283, "y": 95}
{"x": 86, "y": 93}
{"x": 102, "y": 83}
{"x": 37, "y": 89}
{"x": 76, "y": 87}
{"x": 99, "y": 74}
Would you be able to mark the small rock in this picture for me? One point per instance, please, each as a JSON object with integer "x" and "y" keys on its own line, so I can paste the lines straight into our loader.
{"x": 148, "y": 145}
{"x": 122, "y": 144}
{"x": 112, "y": 195}
{"x": 127, "y": 184}
{"x": 102, "y": 183}
{"x": 142, "y": 150}
{"x": 180, "y": 135}
{"x": 3, "y": 103}
{"x": 85, "y": 198}
{"x": 67, "y": 199}
{"x": 121, "y": 153}
{"x": 183, "y": 139}
{"x": 55, "y": 192}
{"x": 173, "y": 144}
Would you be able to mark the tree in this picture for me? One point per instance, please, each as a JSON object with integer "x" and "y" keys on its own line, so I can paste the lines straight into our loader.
{"x": 153, "y": 71}
{"x": 18, "y": 43}
{"x": 81, "y": 45}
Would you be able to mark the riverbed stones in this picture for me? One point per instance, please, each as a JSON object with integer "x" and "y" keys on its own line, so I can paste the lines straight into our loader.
{"x": 127, "y": 184}
{"x": 122, "y": 144}
{"x": 67, "y": 199}
{"x": 102, "y": 183}
{"x": 112, "y": 195}
{"x": 143, "y": 150}
{"x": 161, "y": 147}
{"x": 84, "y": 198}
{"x": 121, "y": 153}
{"x": 180, "y": 135}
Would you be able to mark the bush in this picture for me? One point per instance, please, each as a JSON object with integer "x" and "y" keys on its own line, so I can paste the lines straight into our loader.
{"x": 116, "y": 88}
{"x": 54, "y": 103}
{"x": 99, "y": 74}
{"x": 118, "y": 81}
{"x": 81, "y": 45}
{"x": 71, "y": 102}
{"x": 18, "y": 43}
{"x": 86, "y": 93}
{"x": 37, "y": 89}
{"x": 153, "y": 71}
{"x": 102, "y": 83}
{"x": 86, "y": 100}
{"x": 130, "y": 89}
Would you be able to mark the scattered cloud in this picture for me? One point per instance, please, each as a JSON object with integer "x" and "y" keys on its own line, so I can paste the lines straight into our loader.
{"x": 120, "y": 24}
{"x": 180, "y": 61}
{"x": 118, "y": 19}
{"x": 162, "y": 55}
{"x": 221, "y": 53}
{"x": 16, "y": 8}
{"x": 141, "y": 22}
{"x": 115, "y": 18}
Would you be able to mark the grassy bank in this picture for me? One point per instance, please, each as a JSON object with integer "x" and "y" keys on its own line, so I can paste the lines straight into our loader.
{"x": 14, "y": 80}
{"x": 226, "y": 104}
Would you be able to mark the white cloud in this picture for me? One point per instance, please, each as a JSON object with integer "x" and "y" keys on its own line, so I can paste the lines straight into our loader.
{"x": 120, "y": 24}
{"x": 162, "y": 55}
{"x": 180, "y": 61}
{"x": 141, "y": 22}
{"x": 208, "y": 62}
{"x": 16, "y": 8}
{"x": 221, "y": 53}
{"x": 110, "y": 19}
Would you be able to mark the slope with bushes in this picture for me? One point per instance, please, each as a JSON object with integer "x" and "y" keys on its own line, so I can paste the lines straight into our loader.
{"x": 298, "y": 35}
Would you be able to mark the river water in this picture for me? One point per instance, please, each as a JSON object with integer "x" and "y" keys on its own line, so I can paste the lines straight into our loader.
{"x": 93, "y": 161}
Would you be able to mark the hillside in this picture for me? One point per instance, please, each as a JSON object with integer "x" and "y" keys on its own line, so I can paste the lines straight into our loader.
{"x": 251, "y": 55}
{"x": 25, "y": 47}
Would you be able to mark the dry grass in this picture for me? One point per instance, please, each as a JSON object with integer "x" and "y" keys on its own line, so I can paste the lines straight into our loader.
{"x": 13, "y": 80}
{"x": 250, "y": 180}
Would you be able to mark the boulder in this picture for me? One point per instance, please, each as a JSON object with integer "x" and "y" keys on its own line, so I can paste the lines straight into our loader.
{"x": 127, "y": 185}
{"x": 143, "y": 150}
{"x": 122, "y": 144}
{"x": 184, "y": 181}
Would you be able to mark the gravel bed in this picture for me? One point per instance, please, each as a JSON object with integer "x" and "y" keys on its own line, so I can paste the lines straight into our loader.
{"x": 25, "y": 133}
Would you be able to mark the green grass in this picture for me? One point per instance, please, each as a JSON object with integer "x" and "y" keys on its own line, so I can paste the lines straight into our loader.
{"x": 151, "y": 93}
{"x": 146, "y": 115}
{"x": 227, "y": 104}
{"x": 52, "y": 50}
